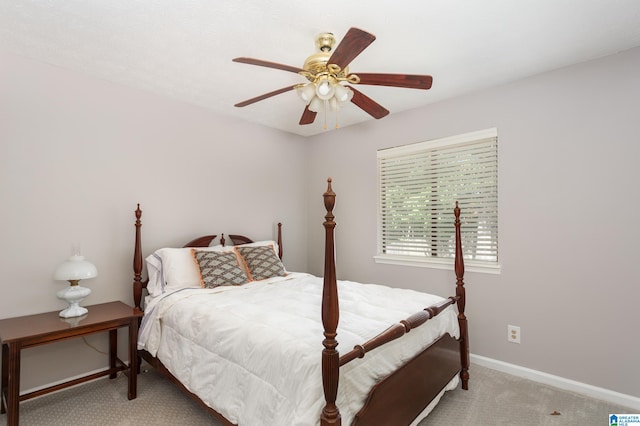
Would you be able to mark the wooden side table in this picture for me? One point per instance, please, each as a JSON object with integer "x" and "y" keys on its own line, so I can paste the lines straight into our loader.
{"x": 33, "y": 330}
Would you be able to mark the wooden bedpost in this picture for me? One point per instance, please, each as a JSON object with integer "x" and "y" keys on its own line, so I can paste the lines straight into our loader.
{"x": 330, "y": 315}
{"x": 280, "y": 240}
{"x": 137, "y": 263}
{"x": 460, "y": 293}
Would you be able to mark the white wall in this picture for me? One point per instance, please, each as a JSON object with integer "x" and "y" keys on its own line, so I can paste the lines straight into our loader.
{"x": 77, "y": 154}
{"x": 568, "y": 175}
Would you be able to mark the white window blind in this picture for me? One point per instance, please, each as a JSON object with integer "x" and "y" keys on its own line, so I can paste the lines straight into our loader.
{"x": 419, "y": 185}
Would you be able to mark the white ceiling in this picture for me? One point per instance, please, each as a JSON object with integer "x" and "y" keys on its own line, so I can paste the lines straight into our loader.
{"x": 183, "y": 49}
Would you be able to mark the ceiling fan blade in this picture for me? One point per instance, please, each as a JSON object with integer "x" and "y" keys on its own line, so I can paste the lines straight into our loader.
{"x": 353, "y": 43}
{"x": 265, "y": 96}
{"x": 368, "y": 105}
{"x": 396, "y": 80}
{"x": 261, "y": 63}
{"x": 308, "y": 116}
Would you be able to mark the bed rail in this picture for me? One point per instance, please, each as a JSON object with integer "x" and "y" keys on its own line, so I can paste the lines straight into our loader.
{"x": 397, "y": 330}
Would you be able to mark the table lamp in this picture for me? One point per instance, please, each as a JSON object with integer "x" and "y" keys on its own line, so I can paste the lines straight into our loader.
{"x": 74, "y": 270}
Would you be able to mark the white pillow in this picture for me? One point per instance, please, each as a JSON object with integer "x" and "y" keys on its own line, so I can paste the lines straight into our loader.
{"x": 173, "y": 269}
{"x": 179, "y": 269}
{"x": 154, "y": 272}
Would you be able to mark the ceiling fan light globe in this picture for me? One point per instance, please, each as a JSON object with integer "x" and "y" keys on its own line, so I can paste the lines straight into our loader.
{"x": 316, "y": 104}
{"x": 343, "y": 94}
{"x": 306, "y": 92}
{"x": 325, "y": 90}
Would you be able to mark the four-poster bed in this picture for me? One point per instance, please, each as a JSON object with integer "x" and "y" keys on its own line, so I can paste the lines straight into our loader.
{"x": 434, "y": 355}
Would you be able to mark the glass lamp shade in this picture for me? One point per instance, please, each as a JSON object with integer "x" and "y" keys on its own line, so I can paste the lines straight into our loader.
{"x": 343, "y": 94}
{"x": 325, "y": 89}
{"x": 316, "y": 104}
{"x": 74, "y": 270}
{"x": 306, "y": 92}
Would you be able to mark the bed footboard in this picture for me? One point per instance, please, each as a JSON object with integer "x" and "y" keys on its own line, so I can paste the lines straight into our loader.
{"x": 404, "y": 394}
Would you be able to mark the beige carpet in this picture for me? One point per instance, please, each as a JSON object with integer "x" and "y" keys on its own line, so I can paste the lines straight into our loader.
{"x": 494, "y": 399}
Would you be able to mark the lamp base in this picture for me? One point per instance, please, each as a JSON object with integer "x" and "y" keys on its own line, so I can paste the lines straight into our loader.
{"x": 73, "y": 295}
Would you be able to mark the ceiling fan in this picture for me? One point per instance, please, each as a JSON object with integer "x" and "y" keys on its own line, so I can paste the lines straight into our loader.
{"x": 328, "y": 74}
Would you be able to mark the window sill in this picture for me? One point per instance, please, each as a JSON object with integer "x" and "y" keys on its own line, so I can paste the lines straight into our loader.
{"x": 469, "y": 265}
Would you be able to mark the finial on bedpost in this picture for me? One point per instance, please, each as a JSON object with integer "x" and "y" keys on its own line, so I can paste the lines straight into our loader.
{"x": 330, "y": 315}
{"x": 329, "y": 200}
{"x": 137, "y": 263}
{"x": 460, "y": 293}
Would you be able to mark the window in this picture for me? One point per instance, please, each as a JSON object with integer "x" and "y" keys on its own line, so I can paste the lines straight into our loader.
{"x": 419, "y": 185}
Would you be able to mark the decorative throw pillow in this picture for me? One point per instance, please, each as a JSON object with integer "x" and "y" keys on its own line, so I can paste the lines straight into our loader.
{"x": 219, "y": 268}
{"x": 261, "y": 262}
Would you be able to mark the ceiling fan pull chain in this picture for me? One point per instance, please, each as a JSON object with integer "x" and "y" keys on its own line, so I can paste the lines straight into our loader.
{"x": 324, "y": 107}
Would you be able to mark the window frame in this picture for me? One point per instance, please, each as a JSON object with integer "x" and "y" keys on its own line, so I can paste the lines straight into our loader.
{"x": 491, "y": 267}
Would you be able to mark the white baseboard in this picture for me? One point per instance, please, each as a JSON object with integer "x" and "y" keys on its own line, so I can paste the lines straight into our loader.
{"x": 558, "y": 382}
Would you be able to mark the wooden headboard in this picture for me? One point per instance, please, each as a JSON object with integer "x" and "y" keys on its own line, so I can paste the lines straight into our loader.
{"x": 139, "y": 284}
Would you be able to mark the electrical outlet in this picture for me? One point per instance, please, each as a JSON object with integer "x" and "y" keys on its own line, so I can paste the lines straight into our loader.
{"x": 513, "y": 333}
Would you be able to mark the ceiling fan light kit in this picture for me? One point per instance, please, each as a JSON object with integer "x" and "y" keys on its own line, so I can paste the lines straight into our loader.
{"x": 324, "y": 89}
{"x": 327, "y": 70}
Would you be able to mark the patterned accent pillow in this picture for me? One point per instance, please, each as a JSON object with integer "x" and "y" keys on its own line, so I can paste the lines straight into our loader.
{"x": 261, "y": 262}
{"x": 219, "y": 268}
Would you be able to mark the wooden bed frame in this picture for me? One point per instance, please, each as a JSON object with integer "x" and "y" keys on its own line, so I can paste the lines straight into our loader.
{"x": 400, "y": 397}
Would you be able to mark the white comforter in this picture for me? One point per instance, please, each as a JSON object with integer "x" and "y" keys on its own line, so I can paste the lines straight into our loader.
{"x": 253, "y": 352}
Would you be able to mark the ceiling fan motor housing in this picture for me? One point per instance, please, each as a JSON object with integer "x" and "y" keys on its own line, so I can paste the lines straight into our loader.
{"x": 317, "y": 63}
